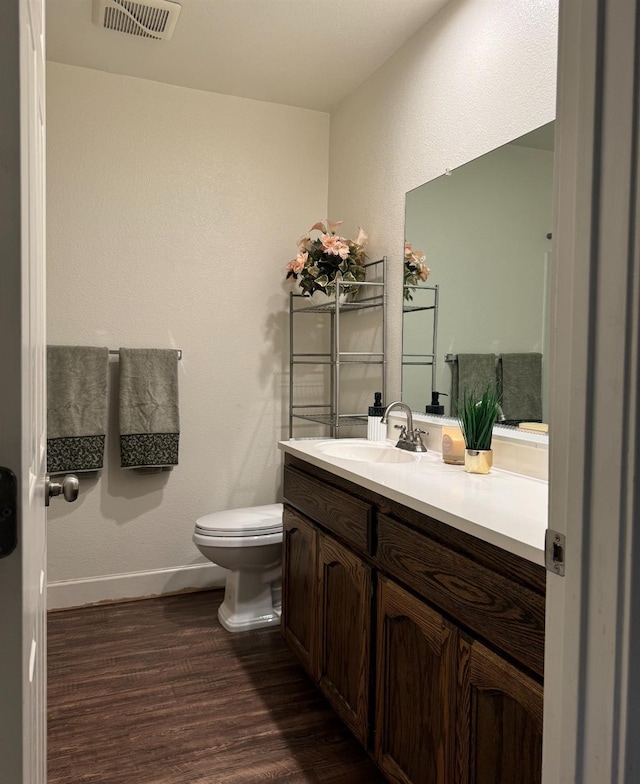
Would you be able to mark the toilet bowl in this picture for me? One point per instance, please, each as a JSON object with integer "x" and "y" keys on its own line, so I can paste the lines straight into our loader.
{"x": 247, "y": 542}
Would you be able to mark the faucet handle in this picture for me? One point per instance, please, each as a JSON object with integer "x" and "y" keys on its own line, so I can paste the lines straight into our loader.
{"x": 404, "y": 438}
{"x": 416, "y": 438}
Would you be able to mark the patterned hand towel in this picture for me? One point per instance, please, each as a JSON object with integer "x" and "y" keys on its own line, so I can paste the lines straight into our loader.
{"x": 149, "y": 417}
{"x": 472, "y": 372}
{"x": 520, "y": 377}
{"x": 76, "y": 408}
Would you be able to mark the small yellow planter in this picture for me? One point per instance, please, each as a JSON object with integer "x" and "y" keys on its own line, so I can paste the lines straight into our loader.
{"x": 478, "y": 461}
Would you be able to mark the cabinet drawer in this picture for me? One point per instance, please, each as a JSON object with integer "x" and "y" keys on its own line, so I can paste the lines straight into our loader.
{"x": 508, "y": 615}
{"x": 347, "y": 517}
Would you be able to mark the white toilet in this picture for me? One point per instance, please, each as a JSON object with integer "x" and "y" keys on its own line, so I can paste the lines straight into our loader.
{"x": 248, "y": 542}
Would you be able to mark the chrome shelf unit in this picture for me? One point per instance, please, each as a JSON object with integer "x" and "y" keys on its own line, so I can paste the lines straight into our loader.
{"x": 426, "y": 360}
{"x": 370, "y": 294}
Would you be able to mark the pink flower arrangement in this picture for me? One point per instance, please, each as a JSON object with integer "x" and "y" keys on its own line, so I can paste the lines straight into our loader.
{"x": 323, "y": 260}
{"x": 415, "y": 269}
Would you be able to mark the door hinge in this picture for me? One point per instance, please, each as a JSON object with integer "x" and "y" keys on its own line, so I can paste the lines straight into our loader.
{"x": 554, "y": 551}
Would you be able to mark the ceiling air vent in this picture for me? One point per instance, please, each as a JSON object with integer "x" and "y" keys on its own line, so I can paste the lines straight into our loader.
{"x": 149, "y": 19}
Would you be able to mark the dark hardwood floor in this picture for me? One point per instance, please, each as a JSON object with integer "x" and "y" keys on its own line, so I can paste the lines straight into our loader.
{"x": 156, "y": 692}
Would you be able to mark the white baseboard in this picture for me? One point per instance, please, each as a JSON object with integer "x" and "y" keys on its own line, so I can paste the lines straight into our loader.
{"x": 135, "y": 585}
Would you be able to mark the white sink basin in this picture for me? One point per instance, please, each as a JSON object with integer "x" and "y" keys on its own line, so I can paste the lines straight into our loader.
{"x": 364, "y": 451}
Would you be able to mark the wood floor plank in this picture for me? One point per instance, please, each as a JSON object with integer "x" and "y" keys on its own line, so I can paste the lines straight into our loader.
{"x": 156, "y": 692}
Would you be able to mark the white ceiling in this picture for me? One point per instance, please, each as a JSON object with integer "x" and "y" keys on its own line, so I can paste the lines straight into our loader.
{"x": 309, "y": 53}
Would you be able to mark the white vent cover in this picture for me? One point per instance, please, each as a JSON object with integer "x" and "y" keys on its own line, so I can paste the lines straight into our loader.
{"x": 147, "y": 18}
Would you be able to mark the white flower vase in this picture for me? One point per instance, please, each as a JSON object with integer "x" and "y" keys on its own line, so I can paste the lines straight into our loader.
{"x": 320, "y": 298}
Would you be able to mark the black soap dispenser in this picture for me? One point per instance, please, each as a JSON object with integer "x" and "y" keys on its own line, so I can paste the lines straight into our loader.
{"x": 376, "y": 431}
{"x": 435, "y": 407}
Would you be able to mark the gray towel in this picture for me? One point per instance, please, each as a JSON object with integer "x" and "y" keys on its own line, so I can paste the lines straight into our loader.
{"x": 76, "y": 408}
{"x": 149, "y": 418}
{"x": 473, "y": 372}
{"x": 520, "y": 382}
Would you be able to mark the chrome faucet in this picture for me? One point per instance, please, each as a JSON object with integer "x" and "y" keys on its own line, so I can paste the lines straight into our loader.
{"x": 410, "y": 437}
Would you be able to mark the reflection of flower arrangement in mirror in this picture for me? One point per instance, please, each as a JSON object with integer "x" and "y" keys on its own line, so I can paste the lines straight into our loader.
{"x": 329, "y": 257}
{"x": 415, "y": 269}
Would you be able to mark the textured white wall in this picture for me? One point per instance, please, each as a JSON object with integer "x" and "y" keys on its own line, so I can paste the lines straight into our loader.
{"x": 476, "y": 76}
{"x": 171, "y": 215}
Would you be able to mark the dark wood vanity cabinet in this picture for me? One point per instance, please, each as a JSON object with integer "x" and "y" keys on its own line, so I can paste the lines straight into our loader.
{"x": 300, "y": 588}
{"x": 427, "y": 642}
{"x": 326, "y": 617}
{"x": 415, "y": 684}
{"x": 344, "y": 633}
{"x": 499, "y": 737}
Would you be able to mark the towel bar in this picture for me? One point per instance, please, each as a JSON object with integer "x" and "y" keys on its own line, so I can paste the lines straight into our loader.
{"x": 115, "y": 351}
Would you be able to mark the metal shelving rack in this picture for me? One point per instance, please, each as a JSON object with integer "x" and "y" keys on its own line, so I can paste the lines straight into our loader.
{"x": 427, "y": 360}
{"x": 371, "y": 294}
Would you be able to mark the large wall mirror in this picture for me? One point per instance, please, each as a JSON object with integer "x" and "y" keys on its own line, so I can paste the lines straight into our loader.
{"x": 485, "y": 229}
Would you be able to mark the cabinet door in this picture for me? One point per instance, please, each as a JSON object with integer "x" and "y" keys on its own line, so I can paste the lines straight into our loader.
{"x": 299, "y": 588}
{"x": 416, "y": 689}
{"x": 345, "y": 634}
{"x": 500, "y": 720}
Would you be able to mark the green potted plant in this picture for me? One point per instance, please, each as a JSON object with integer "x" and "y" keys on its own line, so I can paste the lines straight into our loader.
{"x": 327, "y": 258}
{"x": 477, "y": 414}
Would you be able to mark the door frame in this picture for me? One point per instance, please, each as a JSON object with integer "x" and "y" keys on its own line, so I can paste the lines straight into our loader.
{"x": 593, "y": 618}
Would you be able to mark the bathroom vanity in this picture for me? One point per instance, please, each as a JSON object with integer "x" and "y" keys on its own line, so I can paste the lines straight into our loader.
{"x": 422, "y": 624}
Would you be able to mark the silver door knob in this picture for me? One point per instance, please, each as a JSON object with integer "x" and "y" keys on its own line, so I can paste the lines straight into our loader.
{"x": 68, "y": 488}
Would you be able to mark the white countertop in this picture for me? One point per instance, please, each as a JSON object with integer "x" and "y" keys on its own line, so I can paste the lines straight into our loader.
{"x": 503, "y": 508}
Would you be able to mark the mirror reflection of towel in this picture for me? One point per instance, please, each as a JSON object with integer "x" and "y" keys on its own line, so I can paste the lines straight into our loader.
{"x": 473, "y": 372}
{"x": 520, "y": 384}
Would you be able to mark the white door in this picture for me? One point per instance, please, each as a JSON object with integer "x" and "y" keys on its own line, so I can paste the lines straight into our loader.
{"x": 22, "y": 392}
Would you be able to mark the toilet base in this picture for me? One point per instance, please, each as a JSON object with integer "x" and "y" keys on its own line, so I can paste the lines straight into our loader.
{"x": 248, "y": 602}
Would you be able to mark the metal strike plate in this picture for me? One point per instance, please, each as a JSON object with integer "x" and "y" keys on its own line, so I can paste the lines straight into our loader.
{"x": 8, "y": 512}
{"x": 554, "y": 552}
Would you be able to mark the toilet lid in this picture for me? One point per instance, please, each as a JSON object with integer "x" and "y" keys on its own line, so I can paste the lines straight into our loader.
{"x": 249, "y": 521}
